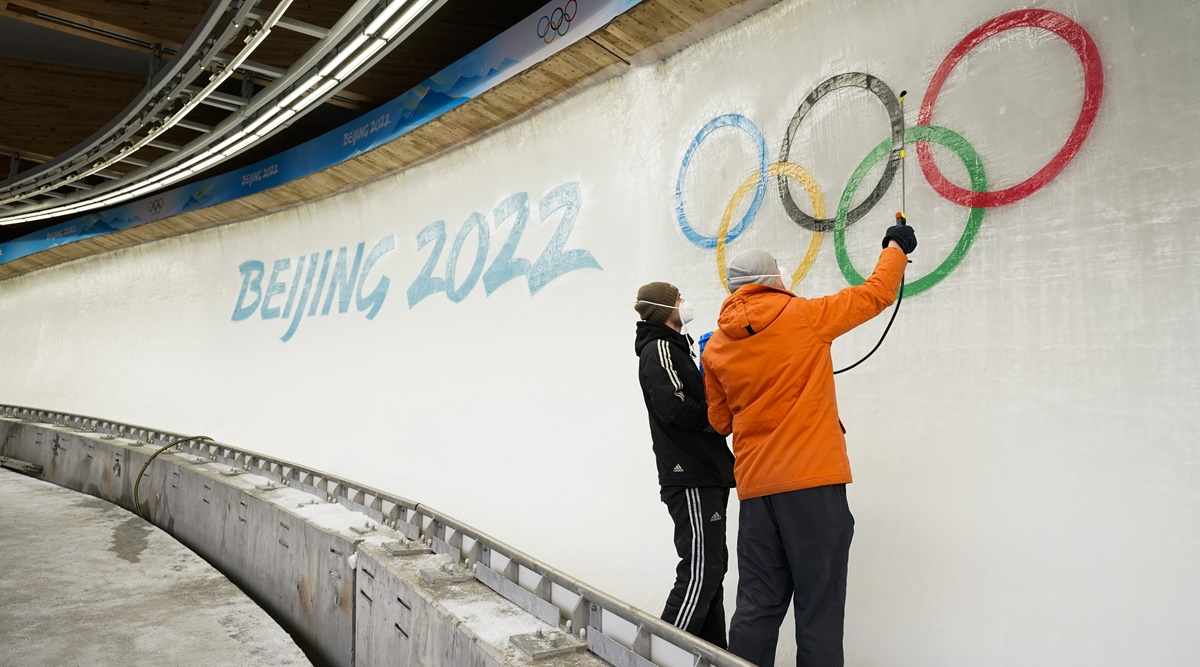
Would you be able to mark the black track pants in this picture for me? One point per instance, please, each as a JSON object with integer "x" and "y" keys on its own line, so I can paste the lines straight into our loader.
{"x": 696, "y": 603}
{"x": 793, "y": 545}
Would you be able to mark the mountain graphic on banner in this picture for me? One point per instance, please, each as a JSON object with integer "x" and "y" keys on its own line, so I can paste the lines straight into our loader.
{"x": 199, "y": 199}
{"x": 103, "y": 223}
{"x": 462, "y": 84}
{"x": 97, "y": 225}
{"x": 434, "y": 96}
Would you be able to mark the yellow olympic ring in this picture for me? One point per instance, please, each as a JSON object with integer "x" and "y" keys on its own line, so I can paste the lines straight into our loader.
{"x": 802, "y": 177}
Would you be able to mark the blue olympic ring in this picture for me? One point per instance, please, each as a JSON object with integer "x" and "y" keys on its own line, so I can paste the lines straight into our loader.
{"x": 746, "y": 125}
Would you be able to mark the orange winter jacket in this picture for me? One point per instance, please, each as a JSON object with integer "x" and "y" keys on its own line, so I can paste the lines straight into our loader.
{"x": 768, "y": 376}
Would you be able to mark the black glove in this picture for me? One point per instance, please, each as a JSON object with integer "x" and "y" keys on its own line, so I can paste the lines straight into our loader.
{"x": 903, "y": 235}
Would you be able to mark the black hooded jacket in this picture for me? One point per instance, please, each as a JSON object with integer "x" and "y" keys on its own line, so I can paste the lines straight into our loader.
{"x": 688, "y": 451}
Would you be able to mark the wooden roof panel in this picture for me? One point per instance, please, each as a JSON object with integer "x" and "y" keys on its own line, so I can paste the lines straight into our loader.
{"x": 602, "y": 54}
{"x": 170, "y": 20}
{"x": 48, "y": 109}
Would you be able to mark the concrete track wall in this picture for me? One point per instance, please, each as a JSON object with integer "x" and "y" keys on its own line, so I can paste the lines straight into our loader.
{"x": 1026, "y": 471}
{"x": 335, "y": 579}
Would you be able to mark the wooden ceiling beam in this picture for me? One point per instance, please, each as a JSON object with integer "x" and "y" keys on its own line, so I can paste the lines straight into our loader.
{"x": 25, "y": 155}
{"x": 86, "y": 27}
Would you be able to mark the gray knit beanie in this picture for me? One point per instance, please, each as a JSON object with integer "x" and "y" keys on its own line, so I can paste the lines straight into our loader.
{"x": 751, "y": 267}
{"x": 656, "y": 301}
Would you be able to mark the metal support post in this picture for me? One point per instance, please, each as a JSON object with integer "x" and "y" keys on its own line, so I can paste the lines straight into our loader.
{"x": 156, "y": 52}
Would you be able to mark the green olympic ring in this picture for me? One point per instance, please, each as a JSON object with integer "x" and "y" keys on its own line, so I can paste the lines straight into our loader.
{"x": 966, "y": 153}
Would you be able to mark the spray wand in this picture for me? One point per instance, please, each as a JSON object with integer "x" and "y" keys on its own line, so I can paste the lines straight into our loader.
{"x": 900, "y": 220}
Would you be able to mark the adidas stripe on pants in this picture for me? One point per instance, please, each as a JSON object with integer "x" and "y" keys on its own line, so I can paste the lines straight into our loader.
{"x": 696, "y": 603}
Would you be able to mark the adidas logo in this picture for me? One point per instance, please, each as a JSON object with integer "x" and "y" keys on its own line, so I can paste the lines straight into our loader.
{"x": 678, "y": 468}
{"x": 715, "y": 517}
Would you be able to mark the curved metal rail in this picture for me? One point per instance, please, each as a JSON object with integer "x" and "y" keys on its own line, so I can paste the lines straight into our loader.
{"x": 213, "y": 32}
{"x": 366, "y": 32}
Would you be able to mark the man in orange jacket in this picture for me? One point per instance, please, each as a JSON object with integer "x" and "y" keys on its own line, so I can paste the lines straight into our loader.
{"x": 769, "y": 381}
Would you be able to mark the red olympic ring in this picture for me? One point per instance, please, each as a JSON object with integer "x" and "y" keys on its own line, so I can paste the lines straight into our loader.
{"x": 1093, "y": 76}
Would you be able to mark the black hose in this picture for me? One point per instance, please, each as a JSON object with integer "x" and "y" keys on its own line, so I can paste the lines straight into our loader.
{"x": 162, "y": 449}
{"x": 895, "y": 310}
{"x": 900, "y": 220}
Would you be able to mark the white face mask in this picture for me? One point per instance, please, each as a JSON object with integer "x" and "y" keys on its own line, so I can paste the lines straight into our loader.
{"x": 685, "y": 309}
{"x": 685, "y": 312}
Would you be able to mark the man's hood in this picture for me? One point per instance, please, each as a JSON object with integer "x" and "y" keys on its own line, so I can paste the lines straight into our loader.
{"x": 751, "y": 309}
{"x": 648, "y": 333}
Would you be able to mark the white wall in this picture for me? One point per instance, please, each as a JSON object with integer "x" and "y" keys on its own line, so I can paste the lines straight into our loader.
{"x": 1024, "y": 447}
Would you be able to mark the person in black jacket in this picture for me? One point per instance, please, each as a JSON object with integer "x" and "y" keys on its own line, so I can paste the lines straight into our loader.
{"x": 695, "y": 466}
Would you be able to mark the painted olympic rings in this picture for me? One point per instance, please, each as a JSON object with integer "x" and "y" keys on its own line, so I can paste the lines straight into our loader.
{"x": 848, "y": 80}
{"x": 746, "y": 125}
{"x": 778, "y": 170}
{"x": 921, "y": 133}
{"x": 558, "y": 22}
{"x": 977, "y": 199}
{"x": 1093, "y": 91}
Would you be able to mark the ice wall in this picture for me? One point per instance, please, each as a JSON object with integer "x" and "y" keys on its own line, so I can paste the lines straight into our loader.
{"x": 1026, "y": 465}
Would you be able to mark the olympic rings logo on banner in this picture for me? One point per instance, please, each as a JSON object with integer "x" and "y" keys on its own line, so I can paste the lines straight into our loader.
{"x": 978, "y": 198}
{"x": 558, "y": 22}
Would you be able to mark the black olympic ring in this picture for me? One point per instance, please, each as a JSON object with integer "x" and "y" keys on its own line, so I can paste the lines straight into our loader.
{"x": 155, "y": 206}
{"x": 890, "y": 103}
